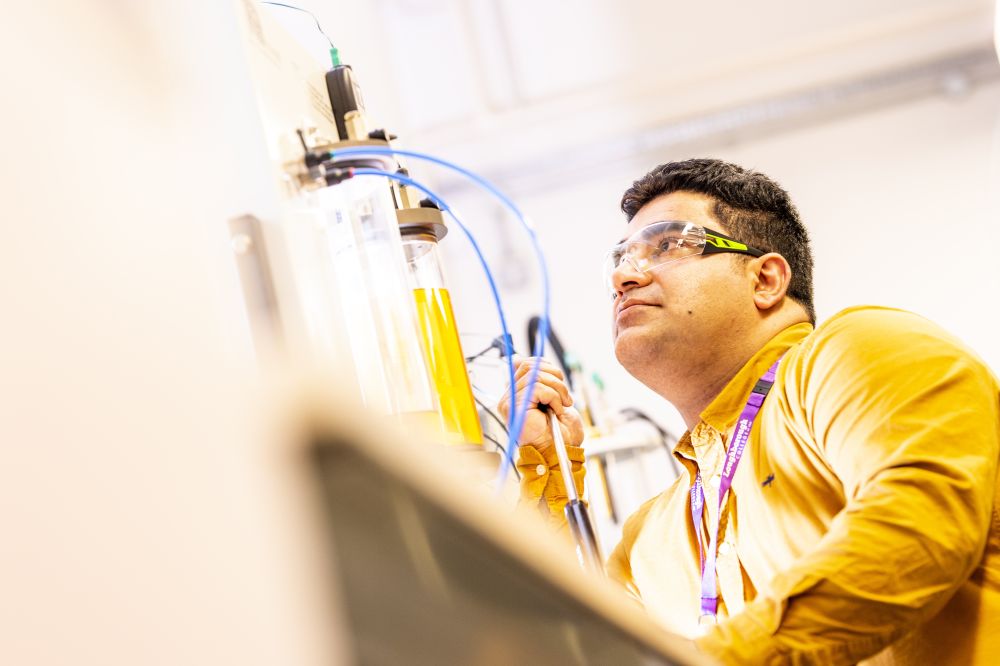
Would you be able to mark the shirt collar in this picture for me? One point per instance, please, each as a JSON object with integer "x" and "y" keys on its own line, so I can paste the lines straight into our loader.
{"x": 723, "y": 411}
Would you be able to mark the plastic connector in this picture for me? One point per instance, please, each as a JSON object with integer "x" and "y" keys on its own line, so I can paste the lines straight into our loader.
{"x": 505, "y": 343}
{"x": 314, "y": 159}
{"x": 345, "y": 97}
{"x": 381, "y": 135}
{"x": 336, "y": 175}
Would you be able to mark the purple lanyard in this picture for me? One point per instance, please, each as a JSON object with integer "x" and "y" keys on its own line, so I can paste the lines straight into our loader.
{"x": 709, "y": 593}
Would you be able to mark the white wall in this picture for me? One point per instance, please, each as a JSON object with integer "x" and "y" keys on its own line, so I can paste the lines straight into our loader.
{"x": 902, "y": 204}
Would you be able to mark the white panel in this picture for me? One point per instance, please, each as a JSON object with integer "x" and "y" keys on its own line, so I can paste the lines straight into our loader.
{"x": 559, "y": 47}
{"x": 674, "y": 44}
{"x": 562, "y": 47}
{"x": 633, "y": 65}
{"x": 433, "y": 61}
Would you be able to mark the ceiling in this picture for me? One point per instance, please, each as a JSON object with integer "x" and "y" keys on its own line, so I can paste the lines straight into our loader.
{"x": 505, "y": 86}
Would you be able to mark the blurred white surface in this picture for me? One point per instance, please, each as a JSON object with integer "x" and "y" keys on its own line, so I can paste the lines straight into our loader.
{"x": 148, "y": 517}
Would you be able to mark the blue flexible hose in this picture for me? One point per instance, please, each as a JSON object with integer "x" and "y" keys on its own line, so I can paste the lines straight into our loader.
{"x": 518, "y": 411}
{"x": 472, "y": 240}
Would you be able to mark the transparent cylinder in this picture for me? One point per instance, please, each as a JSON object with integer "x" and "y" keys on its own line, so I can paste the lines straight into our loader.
{"x": 357, "y": 225}
{"x": 439, "y": 335}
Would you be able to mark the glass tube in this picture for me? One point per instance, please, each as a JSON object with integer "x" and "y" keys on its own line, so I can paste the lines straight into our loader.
{"x": 439, "y": 335}
{"x": 357, "y": 226}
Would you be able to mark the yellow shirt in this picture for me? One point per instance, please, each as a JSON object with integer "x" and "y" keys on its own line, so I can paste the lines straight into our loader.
{"x": 862, "y": 514}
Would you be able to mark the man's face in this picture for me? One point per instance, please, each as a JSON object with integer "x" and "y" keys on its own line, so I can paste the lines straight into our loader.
{"x": 682, "y": 309}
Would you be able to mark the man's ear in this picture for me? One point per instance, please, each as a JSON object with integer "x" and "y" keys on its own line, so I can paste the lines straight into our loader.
{"x": 772, "y": 275}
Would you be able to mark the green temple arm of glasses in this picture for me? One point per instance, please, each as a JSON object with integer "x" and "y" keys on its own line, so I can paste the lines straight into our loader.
{"x": 716, "y": 242}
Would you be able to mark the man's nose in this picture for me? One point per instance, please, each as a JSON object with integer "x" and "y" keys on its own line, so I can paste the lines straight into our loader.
{"x": 628, "y": 275}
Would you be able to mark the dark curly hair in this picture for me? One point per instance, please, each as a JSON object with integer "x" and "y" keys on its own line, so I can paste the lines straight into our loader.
{"x": 753, "y": 209}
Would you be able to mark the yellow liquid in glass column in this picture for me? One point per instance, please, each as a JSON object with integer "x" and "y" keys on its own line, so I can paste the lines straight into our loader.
{"x": 439, "y": 336}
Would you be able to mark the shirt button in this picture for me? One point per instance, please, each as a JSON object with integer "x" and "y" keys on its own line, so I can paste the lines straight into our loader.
{"x": 725, "y": 548}
{"x": 714, "y": 481}
{"x": 541, "y": 469}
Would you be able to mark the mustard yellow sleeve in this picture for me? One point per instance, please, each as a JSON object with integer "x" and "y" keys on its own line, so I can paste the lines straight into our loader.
{"x": 542, "y": 480}
{"x": 908, "y": 420}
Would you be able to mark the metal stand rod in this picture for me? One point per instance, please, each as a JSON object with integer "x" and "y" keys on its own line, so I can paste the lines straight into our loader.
{"x": 587, "y": 548}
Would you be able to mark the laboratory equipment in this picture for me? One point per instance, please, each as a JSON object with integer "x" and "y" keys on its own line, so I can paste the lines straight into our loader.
{"x": 422, "y": 228}
{"x": 334, "y": 142}
{"x": 325, "y": 165}
{"x": 357, "y": 222}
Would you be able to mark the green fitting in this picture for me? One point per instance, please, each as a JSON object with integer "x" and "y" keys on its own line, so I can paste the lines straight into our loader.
{"x": 598, "y": 382}
{"x": 334, "y": 56}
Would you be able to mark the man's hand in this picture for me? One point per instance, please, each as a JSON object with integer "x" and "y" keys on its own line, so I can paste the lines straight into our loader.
{"x": 550, "y": 389}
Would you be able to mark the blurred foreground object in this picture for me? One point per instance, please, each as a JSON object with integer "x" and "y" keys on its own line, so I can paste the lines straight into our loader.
{"x": 433, "y": 570}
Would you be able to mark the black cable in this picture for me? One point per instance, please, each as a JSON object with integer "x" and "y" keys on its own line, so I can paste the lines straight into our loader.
{"x": 637, "y": 415}
{"x": 503, "y": 427}
{"x": 496, "y": 418}
{"x": 665, "y": 437}
{"x": 304, "y": 11}
{"x": 556, "y": 344}
{"x": 503, "y": 450}
{"x": 470, "y": 359}
{"x": 496, "y": 343}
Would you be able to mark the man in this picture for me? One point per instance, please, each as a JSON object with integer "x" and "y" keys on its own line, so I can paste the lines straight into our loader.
{"x": 857, "y": 461}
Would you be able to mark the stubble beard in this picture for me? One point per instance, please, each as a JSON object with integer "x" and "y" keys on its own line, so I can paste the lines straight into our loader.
{"x": 644, "y": 354}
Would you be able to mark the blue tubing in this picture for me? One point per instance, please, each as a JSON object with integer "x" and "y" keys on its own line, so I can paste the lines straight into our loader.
{"x": 518, "y": 411}
{"x": 479, "y": 254}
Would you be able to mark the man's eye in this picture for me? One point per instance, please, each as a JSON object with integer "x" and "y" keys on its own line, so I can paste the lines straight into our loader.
{"x": 667, "y": 244}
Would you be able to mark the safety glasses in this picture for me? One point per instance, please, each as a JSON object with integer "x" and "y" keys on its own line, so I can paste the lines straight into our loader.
{"x": 663, "y": 242}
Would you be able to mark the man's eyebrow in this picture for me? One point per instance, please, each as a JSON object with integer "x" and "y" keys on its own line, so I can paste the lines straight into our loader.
{"x": 651, "y": 224}
{"x": 634, "y": 233}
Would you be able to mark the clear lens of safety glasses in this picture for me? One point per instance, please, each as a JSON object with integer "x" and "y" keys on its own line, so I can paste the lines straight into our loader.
{"x": 652, "y": 246}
